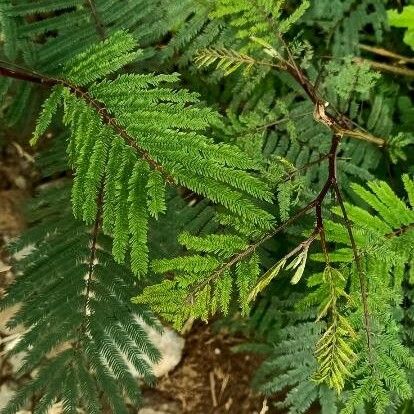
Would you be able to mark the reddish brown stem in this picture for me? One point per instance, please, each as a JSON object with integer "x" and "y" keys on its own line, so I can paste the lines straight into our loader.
{"x": 106, "y": 117}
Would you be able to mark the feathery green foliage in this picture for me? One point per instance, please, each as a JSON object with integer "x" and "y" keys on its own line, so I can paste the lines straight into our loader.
{"x": 231, "y": 197}
{"x": 385, "y": 244}
{"x": 343, "y": 23}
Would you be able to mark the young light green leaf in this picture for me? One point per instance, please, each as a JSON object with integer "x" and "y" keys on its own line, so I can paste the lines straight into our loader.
{"x": 267, "y": 278}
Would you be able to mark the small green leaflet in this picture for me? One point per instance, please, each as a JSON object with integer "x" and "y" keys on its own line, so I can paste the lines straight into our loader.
{"x": 49, "y": 108}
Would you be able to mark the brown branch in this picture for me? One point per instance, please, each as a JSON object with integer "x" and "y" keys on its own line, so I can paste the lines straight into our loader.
{"x": 24, "y": 75}
{"x": 339, "y": 124}
{"x": 399, "y": 232}
{"x": 398, "y": 70}
{"x": 106, "y": 117}
{"x": 100, "y": 28}
{"x": 387, "y": 53}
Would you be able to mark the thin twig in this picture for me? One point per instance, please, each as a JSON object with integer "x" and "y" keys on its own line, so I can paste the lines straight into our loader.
{"x": 387, "y": 53}
{"x": 310, "y": 164}
{"x": 279, "y": 121}
{"x": 100, "y": 28}
{"x": 398, "y": 70}
{"x": 402, "y": 230}
{"x": 360, "y": 271}
{"x": 249, "y": 250}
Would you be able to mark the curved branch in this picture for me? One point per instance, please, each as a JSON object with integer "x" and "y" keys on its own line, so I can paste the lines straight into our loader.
{"x": 41, "y": 79}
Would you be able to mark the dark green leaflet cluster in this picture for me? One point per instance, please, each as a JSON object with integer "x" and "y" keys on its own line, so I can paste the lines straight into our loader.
{"x": 147, "y": 134}
{"x": 290, "y": 364}
{"x": 258, "y": 18}
{"x": 344, "y": 21}
{"x": 82, "y": 332}
{"x": 193, "y": 30}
